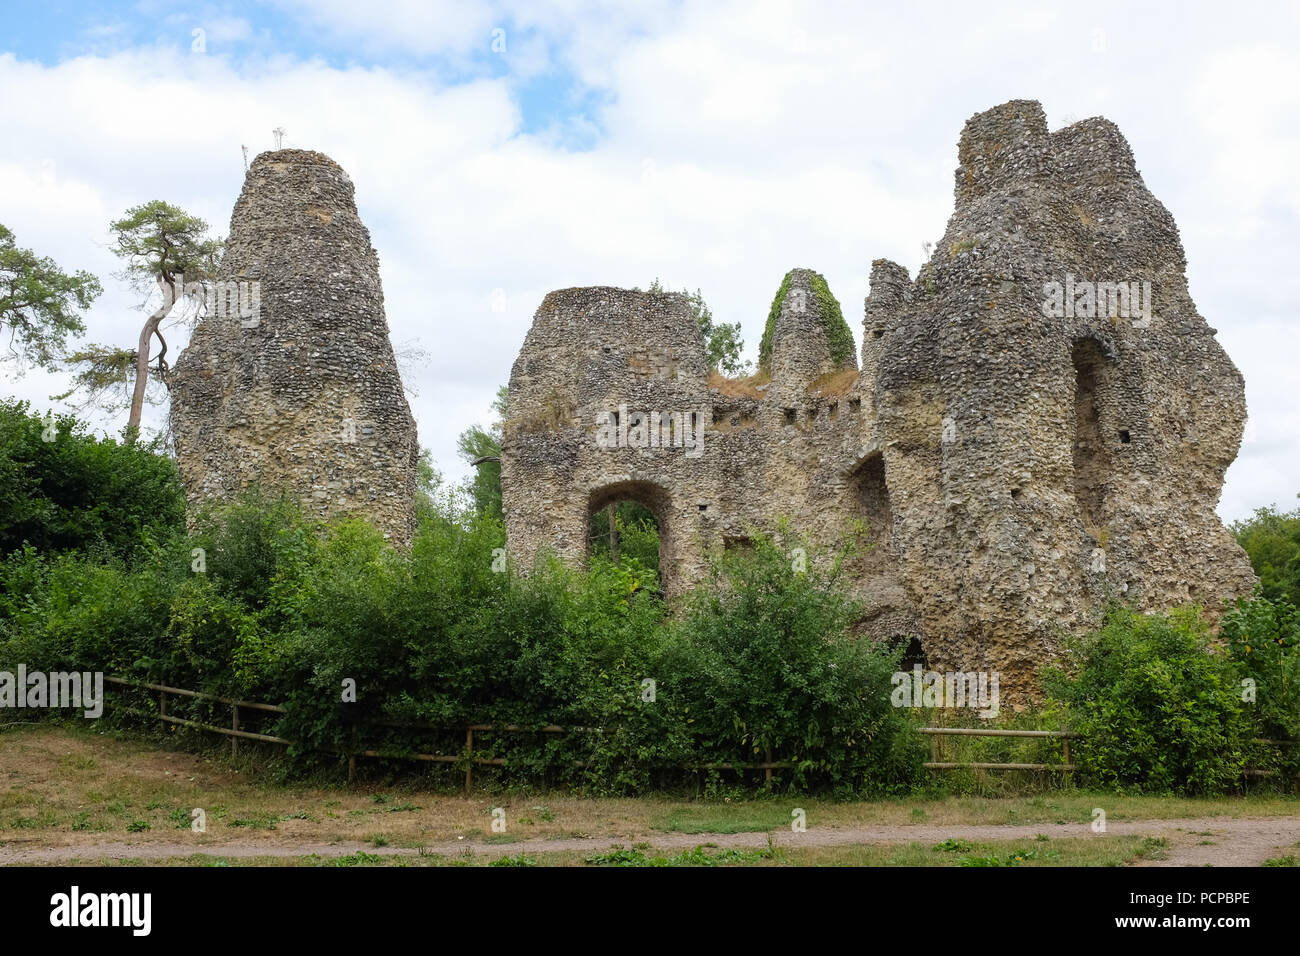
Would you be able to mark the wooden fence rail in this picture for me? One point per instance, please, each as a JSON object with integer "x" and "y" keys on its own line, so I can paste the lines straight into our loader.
{"x": 1065, "y": 736}
{"x": 233, "y": 732}
{"x": 467, "y": 756}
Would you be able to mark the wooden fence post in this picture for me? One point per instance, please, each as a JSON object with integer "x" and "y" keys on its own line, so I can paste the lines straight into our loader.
{"x": 234, "y": 725}
{"x": 469, "y": 754}
{"x": 352, "y": 755}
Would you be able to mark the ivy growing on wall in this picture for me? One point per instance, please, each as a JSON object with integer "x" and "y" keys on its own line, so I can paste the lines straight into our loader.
{"x": 838, "y": 336}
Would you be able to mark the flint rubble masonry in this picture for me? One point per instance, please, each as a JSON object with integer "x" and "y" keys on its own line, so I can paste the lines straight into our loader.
{"x": 993, "y": 448}
{"x": 309, "y": 399}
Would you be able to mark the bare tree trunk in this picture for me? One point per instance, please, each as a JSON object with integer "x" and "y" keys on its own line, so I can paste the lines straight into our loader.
{"x": 613, "y": 534}
{"x": 142, "y": 374}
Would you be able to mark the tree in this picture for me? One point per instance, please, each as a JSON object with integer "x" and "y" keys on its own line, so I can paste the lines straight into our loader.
{"x": 164, "y": 246}
{"x": 482, "y": 449}
{"x": 40, "y": 303}
{"x": 63, "y": 490}
{"x": 427, "y": 482}
{"x": 722, "y": 340}
{"x": 625, "y": 531}
{"x": 1272, "y": 540}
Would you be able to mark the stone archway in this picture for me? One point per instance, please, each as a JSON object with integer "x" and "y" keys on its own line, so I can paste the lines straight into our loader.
{"x": 658, "y": 500}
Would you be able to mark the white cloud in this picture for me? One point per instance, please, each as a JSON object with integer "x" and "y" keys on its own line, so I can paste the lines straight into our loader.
{"x": 738, "y": 140}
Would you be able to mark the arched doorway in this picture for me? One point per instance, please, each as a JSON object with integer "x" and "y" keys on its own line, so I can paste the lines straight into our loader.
{"x": 626, "y": 524}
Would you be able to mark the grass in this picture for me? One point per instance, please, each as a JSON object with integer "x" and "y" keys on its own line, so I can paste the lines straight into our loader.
{"x": 746, "y": 818}
{"x": 1155, "y": 848}
{"x": 1070, "y": 851}
{"x": 953, "y": 846}
{"x": 702, "y": 855}
{"x": 74, "y": 786}
{"x": 743, "y": 387}
{"x": 834, "y": 383}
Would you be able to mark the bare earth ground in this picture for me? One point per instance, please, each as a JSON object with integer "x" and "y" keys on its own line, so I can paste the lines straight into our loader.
{"x": 76, "y": 796}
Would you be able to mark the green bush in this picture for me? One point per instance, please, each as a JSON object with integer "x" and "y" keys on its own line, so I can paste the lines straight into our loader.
{"x": 261, "y": 603}
{"x": 1159, "y": 709}
{"x": 75, "y": 492}
{"x": 444, "y": 635}
{"x": 637, "y": 531}
{"x": 765, "y": 659}
{"x": 1263, "y": 638}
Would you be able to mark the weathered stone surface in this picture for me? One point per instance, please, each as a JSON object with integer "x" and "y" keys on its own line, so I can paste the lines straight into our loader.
{"x": 1016, "y": 465}
{"x": 307, "y": 397}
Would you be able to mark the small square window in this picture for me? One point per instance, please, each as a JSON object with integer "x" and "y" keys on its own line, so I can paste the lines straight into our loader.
{"x": 1124, "y": 436}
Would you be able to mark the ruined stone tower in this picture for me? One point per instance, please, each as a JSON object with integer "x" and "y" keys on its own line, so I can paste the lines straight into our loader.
{"x": 1041, "y": 421}
{"x": 296, "y": 386}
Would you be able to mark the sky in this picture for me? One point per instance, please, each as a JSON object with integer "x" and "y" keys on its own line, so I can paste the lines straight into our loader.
{"x": 502, "y": 149}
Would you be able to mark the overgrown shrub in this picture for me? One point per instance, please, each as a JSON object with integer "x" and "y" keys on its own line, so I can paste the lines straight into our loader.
{"x": 1263, "y": 638}
{"x": 765, "y": 659}
{"x": 63, "y": 490}
{"x": 271, "y": 608}
{"x": 1159, "y": 708}
{"x": 758, "y": 659}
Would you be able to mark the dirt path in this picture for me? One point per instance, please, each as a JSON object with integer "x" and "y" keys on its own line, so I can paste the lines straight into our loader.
{"x": 1192, "y": 842}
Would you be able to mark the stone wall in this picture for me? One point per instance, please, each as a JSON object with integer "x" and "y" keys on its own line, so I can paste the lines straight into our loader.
{"x": 305, "y": 395}
{"x": 1018, "y": 460}
{"x": 796, "y": 446}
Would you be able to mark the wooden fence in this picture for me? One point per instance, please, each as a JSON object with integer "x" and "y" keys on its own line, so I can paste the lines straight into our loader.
{"x": 1065, "y": 736}
{"x": 467, "y": 756}
{"x": 235, "y": 733}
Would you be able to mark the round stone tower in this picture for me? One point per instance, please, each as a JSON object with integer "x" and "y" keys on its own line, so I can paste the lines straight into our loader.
{"x": 289, "y": 380}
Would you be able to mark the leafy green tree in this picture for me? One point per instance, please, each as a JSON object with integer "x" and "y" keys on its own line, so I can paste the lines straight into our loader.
{"x": 766, "y": 659}
{"x": 481, "y": 449}
{"x": 40, "y": 304}
{"x": 62, "y": 490}
{"x": 1272, "y": 540}
{"x": 287, "y": 610}
{"x": 428, "y": 479}
{"x": 722, "y": 340}
{"x": 163, "y": 246}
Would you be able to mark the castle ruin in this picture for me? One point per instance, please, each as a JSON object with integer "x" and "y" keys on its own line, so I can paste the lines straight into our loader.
{"x": 298, "y": 388}
{"x": 1040, "y": 420}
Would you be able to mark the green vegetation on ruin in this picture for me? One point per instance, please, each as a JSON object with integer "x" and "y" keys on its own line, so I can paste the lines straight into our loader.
{"x": 839, "y": 338}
